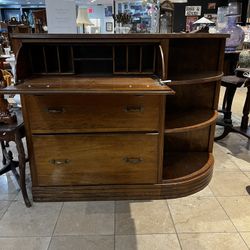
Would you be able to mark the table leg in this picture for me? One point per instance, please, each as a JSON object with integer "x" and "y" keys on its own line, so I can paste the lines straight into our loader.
{"x": 3, "y": 155}
{"x": 22, "y": 161}
{"x": 227, "y": 112}
{"x": 246, "y": 110}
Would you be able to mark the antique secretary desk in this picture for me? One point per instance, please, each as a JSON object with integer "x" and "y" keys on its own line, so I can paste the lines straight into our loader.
{"x": 119, "y": 116}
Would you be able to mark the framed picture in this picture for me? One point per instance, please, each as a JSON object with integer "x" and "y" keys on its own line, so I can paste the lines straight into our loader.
{"x": 109, "y": 26}
{"x": 192, "y": 10}
{"x": 189, "y": 22}
{"x": 211, "y": 6}
{"x": 108, "y": 11}
{"x": 211, "y": 17}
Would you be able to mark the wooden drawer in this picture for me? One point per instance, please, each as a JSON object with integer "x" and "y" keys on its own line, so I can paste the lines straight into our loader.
{"x": 92, "y": 113}
{"x": 91, "y": 159}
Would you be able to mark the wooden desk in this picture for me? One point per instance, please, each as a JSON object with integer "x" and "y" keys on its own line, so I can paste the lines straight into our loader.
{"x": 119, "y": 116}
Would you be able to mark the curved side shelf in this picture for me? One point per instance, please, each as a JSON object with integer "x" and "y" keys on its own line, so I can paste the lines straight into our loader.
{"x": 205, "y": 77}
{"x": 189, "y": 120}
{"x": 179, "y": 166}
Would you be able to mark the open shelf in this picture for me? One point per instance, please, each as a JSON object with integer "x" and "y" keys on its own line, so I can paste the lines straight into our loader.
{"x": 182, "y": 121}
{"x": 194, "y": 78}
{"x": 180, "y": 166}
{"x": 182, "y": 59}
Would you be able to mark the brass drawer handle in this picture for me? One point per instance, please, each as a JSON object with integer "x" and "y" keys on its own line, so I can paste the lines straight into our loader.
{"x": 55, "y": 110}
{"x": 134, "y": 108}
{"x": 133, "y": 160}
{"x": 59, "y": 162}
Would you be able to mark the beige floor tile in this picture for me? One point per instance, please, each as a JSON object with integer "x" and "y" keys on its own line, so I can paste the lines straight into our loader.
{"x": 143, "y": 217}
{"x": 237, "y": 209}
{"x": 38, "y": 220}
{"x": 3, "y": 207}
{"x": 206, "y": 192}
{"x": 222, "y": 160}
{"x": 247, "y": 174}
{"x": 8, "y": 187}
{"x": 86, "y": 218}
{"x": 246, "y": 238}
{"x": 27, "y": 243}
{"x": 212, "y": 241}
{"x": 243, "y": 164}
{"x": 229, "y": 183}
{"x": 199, "y": 214}
{"x": 237, "y": 148}
{"x": 147, "y": 242}
{"x": 82, "y": 243}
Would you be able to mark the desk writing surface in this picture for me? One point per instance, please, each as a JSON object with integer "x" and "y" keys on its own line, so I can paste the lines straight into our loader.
{"x": 78, "y": 84}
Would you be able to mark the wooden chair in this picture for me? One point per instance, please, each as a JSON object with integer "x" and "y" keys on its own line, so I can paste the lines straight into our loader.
{"x": 231, "y": 83}
{"x": 12, "y": 129}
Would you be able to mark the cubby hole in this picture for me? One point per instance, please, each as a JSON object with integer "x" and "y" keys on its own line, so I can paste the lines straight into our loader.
{"x": 52, "y": 58}
{"x": 148, "y": 58}
{"x": 93, "y": 67}
{"x": 120, "y": 58}
{"x": 181, "y": 54}
{"x": 66, "y": 59}
{"x": 98, "y": 52}
{"x": 37, "y": 60}
{"x": 134, "y": 58}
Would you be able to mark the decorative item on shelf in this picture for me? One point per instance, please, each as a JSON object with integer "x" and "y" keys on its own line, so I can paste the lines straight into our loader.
{"x": 166, "y": 16}
{"x": 221, "y": 22}
{"x": 155, "y": 16}
{"x": 123, "y": 21}
{"x": 83, "y": 18}
{"x": 5, "y": 115}
{"x": 203, "y": 25}
{"x": 236, "y": 32}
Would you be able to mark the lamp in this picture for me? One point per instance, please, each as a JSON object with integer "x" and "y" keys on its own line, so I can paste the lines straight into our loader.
{"x": 204, "y": 24}
{"x": 83, "y": 18}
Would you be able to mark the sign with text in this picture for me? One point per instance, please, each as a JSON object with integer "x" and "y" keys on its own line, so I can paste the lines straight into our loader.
{"x": 61, "y": 16}
{"x": 193, "y": 11}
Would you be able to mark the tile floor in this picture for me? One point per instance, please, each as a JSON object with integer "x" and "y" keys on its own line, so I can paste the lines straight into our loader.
{"x": 218, "y": 217}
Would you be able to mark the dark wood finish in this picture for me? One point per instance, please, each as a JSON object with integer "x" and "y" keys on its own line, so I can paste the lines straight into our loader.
{"x": 101, "y": 85}
{"x": 119, "y": 116}
{"x": 79, "y": 159}
{"x": 88, "y": 113}
{"x": 166, "y": 189}
{"x": 14, "y": 132}
{"x": 231, "y": 83}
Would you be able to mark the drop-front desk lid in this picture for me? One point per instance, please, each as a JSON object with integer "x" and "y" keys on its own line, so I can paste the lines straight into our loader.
{"x": 95, "y": 85}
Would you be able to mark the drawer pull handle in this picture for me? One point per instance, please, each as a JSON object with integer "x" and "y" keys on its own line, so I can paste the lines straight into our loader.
{"x": 133, "y": 160}
{"x": 59, "y": 162}
{"x": 134, "y": 108}
{"x": 55, "y": 110}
